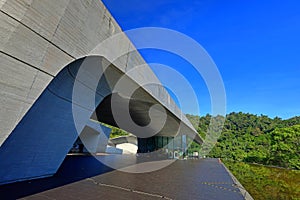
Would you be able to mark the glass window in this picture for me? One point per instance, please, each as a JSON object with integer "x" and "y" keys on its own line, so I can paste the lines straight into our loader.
{"x": 160, "y": 142}
{"x": 165, "y": 142}
{"x": 170, "y": 144}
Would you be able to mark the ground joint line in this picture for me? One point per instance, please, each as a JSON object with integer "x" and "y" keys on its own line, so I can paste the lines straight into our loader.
{"x": 128, "y": 190}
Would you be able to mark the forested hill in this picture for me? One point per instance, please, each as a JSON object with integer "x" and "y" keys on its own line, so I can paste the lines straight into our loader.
{"x": 257, "y": 139}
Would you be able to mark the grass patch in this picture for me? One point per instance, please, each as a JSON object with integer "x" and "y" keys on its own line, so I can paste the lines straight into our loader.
{"x": 264, "y": 183}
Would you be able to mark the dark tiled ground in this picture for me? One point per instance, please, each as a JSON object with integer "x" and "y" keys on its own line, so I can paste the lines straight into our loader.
{"x": 84, "y": 177}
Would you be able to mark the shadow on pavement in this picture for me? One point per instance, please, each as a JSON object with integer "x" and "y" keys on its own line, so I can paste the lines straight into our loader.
{"x": 71, "y": 170}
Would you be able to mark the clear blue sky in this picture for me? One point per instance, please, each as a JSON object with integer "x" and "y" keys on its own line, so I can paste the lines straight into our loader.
{"x": 255, "y": 45}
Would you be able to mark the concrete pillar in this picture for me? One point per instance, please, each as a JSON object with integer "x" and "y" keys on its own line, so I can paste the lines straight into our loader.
{"x": 103, "y": 139}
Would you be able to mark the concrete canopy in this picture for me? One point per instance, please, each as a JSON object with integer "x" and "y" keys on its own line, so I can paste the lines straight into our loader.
{"x": 43, "y": 45}
{"x": 48, "y": 130}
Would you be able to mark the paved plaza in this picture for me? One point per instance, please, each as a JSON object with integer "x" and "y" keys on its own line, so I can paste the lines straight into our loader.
{"x": 84, "y": 177}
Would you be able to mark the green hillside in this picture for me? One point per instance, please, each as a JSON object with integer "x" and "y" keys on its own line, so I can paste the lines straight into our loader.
{"x": 256, "y": 139}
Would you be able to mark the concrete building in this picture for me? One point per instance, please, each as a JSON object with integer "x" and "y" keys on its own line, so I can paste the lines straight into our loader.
{"x": 43, "y": 47}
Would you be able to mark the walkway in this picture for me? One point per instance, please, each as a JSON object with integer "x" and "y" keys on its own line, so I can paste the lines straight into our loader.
{"x": 84, "y": 177}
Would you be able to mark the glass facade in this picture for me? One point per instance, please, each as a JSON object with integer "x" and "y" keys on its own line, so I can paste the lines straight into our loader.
{"x": 168, "y": 147}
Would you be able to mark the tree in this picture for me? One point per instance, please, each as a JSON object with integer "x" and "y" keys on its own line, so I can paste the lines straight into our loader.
{"x": 285, "y": 150}
{"x": 251, "y": 138}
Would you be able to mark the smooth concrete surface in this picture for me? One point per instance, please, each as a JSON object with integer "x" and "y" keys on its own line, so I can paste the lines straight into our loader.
{"x": 40, "y": 37}
{"x": 42, "y": 43}
{"x": 113, "y": 150}
{"x": 124, "y": 139}
{"x": 127, "y": 143}
{"x": 128, "y": 148}
{"x": 84, "y": 177}
{"x": 90, "y": 138}
{"x": 103, "y": 139}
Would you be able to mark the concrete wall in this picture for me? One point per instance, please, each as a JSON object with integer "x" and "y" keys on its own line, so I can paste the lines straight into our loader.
{"x": 39, "y": 143}
{"x": 39, "y": 38}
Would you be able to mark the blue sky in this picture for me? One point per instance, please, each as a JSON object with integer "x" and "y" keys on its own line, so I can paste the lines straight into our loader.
{"x": 255, "y": 45}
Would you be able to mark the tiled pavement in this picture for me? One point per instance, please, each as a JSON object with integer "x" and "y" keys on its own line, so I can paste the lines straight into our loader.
{"x": 84, "y": 177}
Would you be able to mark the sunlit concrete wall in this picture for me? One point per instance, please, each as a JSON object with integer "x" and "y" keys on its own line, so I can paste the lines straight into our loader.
{"x": 38, "y": 39}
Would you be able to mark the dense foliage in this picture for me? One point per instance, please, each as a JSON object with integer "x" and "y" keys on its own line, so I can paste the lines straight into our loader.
{"x": 252, "y": 138}
{"x": 116, "y": 132}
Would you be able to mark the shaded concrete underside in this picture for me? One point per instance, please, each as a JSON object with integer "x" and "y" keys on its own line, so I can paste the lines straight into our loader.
{"x": 83, "y": 177}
